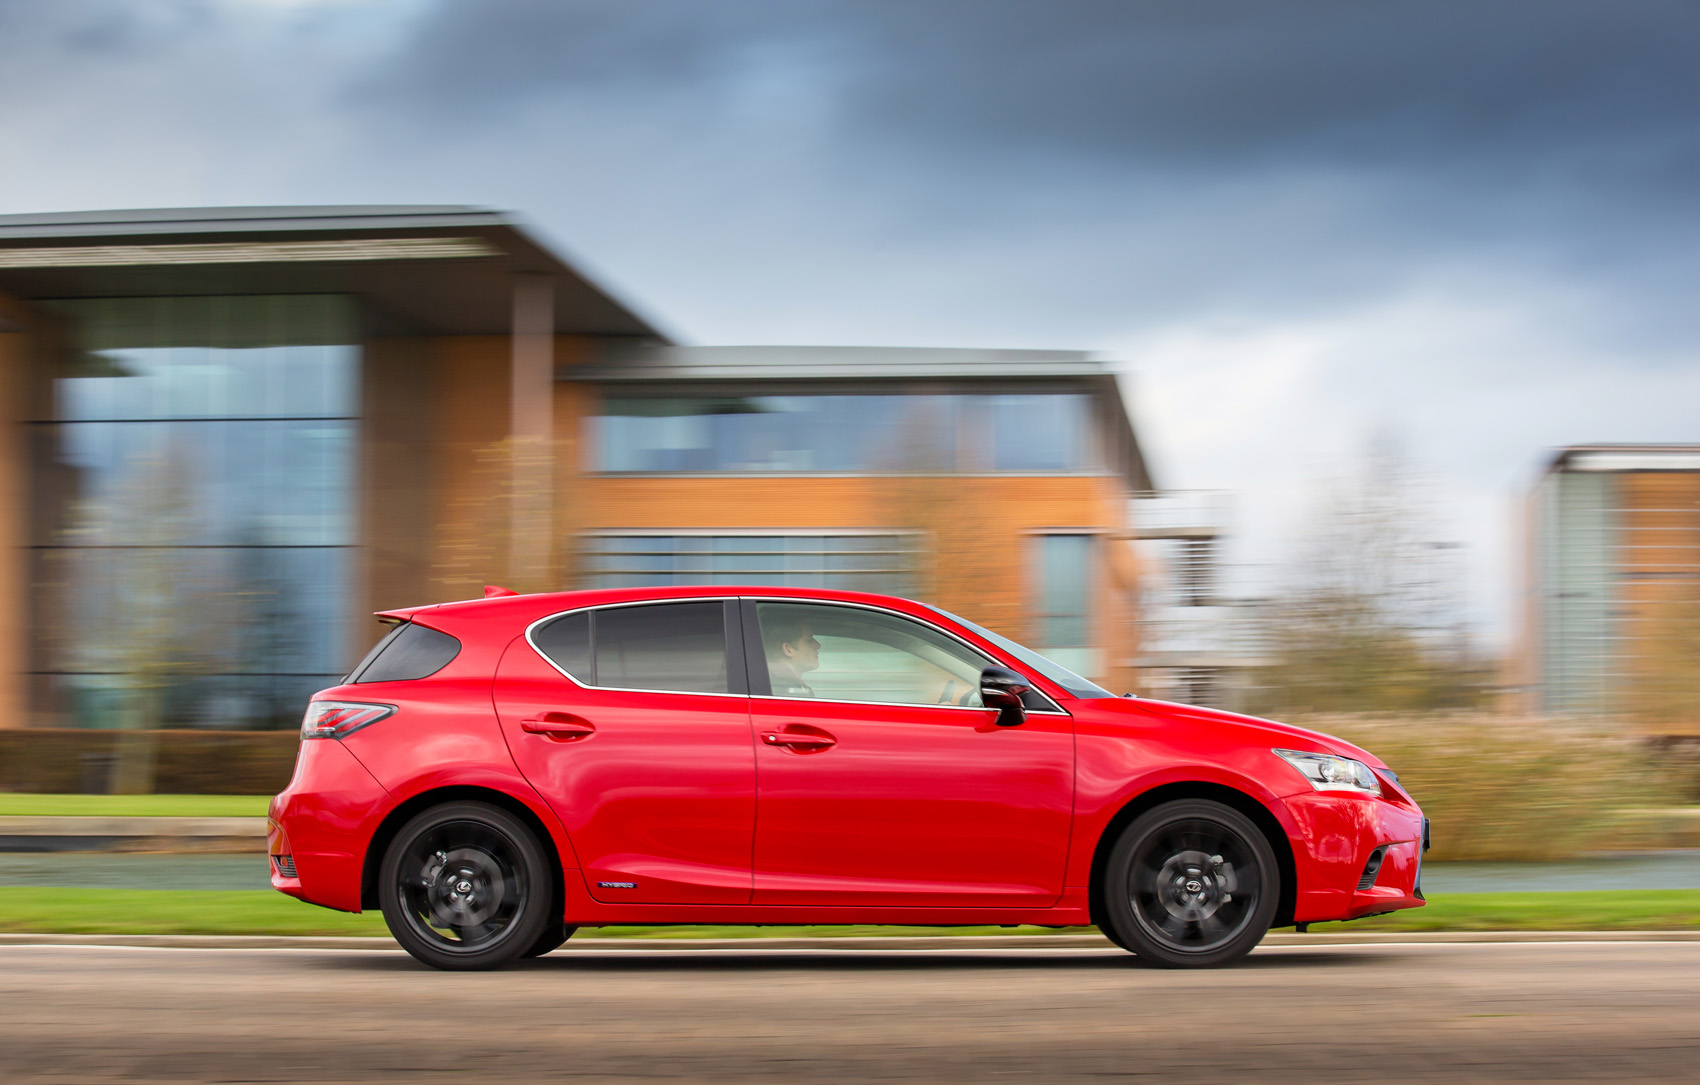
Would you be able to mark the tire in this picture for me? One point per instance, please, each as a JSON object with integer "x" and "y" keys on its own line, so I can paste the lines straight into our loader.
{"x": 550, "y": 940}
{"x": 1190, "y": 884}
{"x": 465, "y": 886}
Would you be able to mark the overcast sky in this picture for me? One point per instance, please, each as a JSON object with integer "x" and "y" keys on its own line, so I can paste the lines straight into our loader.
{"x": 1469, "y": 226}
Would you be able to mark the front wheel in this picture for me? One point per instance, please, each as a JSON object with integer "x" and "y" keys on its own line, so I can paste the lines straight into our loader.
{"x": 551, "y": 939}
{"x": 466, "y": 885}
{"x": 1190, "y": 884}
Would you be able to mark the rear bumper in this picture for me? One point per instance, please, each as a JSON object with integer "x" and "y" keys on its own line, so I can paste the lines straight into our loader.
{"x": 1338, "y": 835}
{"x": 323, "y": 820}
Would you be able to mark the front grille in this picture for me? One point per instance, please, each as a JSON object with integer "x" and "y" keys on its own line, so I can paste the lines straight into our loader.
{"x": 285, "y": 865}
{"x": 1372, "y": 868}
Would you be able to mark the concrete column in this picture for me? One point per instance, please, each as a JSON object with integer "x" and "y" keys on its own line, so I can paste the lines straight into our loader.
{"x": 531, "y": 425}
{"x": 14, "y": 522}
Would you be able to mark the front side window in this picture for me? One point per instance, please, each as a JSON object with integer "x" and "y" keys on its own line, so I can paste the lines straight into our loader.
{"x": 675, "y": 647}
{"x": 849, "y": 654}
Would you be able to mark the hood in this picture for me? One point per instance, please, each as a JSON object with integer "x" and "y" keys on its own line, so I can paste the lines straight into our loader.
{"x": 1285, "y": 735}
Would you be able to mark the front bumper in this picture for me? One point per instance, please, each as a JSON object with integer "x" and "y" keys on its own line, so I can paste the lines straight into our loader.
{"x": 1339, "y": 833}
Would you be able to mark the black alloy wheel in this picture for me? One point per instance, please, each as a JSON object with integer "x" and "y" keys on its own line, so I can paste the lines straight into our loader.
{"x": 465, "y": 886}
{"x": 1190, "y": 884}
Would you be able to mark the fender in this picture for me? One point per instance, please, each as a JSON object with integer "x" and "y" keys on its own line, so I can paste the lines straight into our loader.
{"x": 1094, "y": 818}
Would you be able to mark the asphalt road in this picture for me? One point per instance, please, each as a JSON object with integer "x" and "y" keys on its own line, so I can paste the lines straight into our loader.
{"x": 1458, "y": 1013}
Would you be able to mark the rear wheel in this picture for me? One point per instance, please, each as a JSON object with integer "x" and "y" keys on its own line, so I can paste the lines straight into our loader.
{"x": 1190, "y": 884}
{"x": 465, "y": 886}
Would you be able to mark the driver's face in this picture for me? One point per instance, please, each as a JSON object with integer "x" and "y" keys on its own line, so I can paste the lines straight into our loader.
{"x": 804, "y": 652}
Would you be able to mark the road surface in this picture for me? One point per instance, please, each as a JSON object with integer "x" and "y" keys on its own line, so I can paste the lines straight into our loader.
{"x": 1456, "y": 1013}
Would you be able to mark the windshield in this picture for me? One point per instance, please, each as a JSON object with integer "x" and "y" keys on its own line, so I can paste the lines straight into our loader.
{"x": 1056, "y": 672}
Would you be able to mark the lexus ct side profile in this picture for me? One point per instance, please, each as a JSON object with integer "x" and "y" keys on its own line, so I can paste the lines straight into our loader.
{"x": 498, "y": 773}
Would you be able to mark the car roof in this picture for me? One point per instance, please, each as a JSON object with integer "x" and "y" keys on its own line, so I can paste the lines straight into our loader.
{"x": 548, "y": 602}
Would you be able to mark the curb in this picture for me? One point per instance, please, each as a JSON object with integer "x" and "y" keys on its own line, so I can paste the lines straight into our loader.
{"x": 916, "y": 944}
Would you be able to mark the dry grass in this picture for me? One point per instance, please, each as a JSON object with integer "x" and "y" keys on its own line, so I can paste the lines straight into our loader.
{"x": 1506, "y": 788}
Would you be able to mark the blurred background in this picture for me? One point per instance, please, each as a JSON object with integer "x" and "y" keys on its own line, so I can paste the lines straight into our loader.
{"x": 1315, "y": 361}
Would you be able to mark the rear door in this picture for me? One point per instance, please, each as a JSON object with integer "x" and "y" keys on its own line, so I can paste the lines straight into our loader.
{"x": 881, "y": 782}
{"x": 633, "y": 723}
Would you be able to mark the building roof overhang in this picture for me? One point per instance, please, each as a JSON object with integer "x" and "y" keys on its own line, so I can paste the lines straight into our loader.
{"x": 1626, "y": 457}
{"x": 434, "y": 269}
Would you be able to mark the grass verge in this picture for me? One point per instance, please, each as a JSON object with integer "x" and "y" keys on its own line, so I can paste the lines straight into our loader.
{"x": 1588, "y": 910}
{"x": 18, "y": 804}
{"x": 26, "y": 909}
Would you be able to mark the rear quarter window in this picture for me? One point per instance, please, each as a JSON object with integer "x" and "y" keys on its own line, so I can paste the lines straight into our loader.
{"x": 410, "y": 652}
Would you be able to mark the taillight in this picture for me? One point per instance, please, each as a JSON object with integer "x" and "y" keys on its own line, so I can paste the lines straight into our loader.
{"x": 335, "y": 719}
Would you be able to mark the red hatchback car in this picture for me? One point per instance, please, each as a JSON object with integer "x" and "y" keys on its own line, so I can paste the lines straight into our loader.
{"x": 499, "y": 772}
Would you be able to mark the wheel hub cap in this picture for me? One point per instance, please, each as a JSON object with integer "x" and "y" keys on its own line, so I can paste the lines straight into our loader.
{"x": 463, "y": 888}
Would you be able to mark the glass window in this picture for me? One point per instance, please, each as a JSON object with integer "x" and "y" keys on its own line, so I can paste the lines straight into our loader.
{"x": 883, "y": 564}
{"x": 851, "y": 654}
{"x": 664, "y": 646}
{"x": 194, "y": 509}
{"x": 376, "y": 650}
{"x": 1064, "y": 599}
{"x": 1057, "y": 673}
{"x": 843, "y": 433}
{"x": 1038, "y": 432}
{"x": 566, "y": 641}
{"x": 416, "y": 652}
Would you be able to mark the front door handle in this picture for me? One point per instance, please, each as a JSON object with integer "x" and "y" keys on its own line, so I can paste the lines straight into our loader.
{"x": 798, "y": 740}
{"x": 559, "y": 726}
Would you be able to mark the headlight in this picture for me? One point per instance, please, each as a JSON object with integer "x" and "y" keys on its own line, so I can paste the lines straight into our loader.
{"x": 1326, "y": 772}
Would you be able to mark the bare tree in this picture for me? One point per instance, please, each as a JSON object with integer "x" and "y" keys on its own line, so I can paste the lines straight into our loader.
{"x": 1370, "y": 617}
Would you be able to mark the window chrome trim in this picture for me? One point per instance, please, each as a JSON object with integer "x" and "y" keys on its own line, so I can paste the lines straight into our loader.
{"x": 1055, "y": 710}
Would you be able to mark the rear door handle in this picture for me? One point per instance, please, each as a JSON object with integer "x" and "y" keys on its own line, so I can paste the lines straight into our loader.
{"x": 560, "y": 726}
{"x": 797, "y": 740}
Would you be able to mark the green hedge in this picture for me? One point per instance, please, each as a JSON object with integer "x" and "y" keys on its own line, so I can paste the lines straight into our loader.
{"x": 168, "y": 762}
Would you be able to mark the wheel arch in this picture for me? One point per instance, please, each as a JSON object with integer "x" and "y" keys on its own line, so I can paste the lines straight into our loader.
{"x": 1248, "y": 805}
{"x": 395, "y": 819}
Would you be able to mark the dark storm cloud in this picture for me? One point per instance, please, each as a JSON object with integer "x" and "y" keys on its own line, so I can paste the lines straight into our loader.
{"x": 1147, "y": 83}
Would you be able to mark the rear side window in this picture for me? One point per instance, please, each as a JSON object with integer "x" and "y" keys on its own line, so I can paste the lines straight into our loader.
{"x": 412, "y": 651}
{"x": 566, "y": 641}
{"x": 679, "y": 647}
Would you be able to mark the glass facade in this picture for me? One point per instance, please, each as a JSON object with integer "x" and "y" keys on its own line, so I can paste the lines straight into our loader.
{"x": 1048, "y": 432}
{"x": 1063, "y": 600}
{"x": 195, "y": 510}
{"x": 875, "y": 563}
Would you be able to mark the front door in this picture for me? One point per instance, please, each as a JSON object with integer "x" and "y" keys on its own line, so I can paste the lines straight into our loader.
{"x": 645, "y": 751}
{"x": 880, "y": 780}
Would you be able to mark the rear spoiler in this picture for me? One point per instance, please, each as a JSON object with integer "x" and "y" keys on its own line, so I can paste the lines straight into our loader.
{"x": 405, "y": 614}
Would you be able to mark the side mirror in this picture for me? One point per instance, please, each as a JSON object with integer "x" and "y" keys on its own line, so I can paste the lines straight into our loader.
{"x": 1001, "y": 688}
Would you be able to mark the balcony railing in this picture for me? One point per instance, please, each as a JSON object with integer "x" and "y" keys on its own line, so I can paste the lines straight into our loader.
{"x": 1230, "y": 635}
{"x": 1180, "y": 514}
